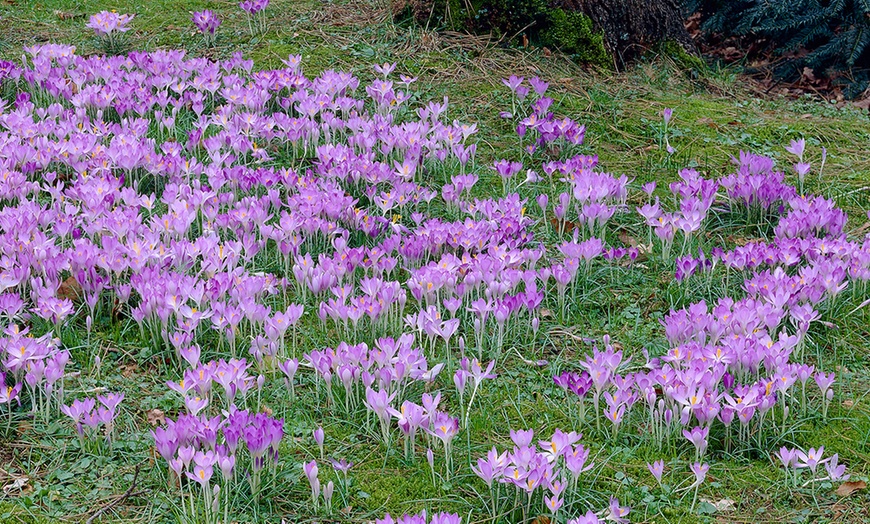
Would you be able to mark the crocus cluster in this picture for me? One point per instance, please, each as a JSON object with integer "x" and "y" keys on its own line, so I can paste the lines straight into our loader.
{"x": 795, "y": 460}
{"x": 695, "y": 196}
{"x": 239, "y": 443}
{"x": 88, "y": 417}
{"x": 349, "y": 370}
{"x": 108, "y": 25}
{"x": 552, "y": 468}
{"x": 421, "y": 518}
{"x": 34, "y": 363}
{"x": 256, "y": 14}
{"x": 532, "y": 108}
{"x": 206, "y": 22}
{"x": 107, "y": 22}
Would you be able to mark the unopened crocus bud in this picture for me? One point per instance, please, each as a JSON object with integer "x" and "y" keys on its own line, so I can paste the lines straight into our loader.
{"x": 310, "y": 469}
{"x": 315, "y": 489}
{"x": 215, "y": 503}
{"x": 430, "y": 458}
{"x": 543, "y": 200}
{"x": 89, "y": 322}
{"x": 535, "y": 324}
{"x": 176, "y": 466}
{"x": 186, "y": 453}
{"x": 227, "y": 465}
{"x": 685, "y": 416}
{"x": 327, "y": 493}
{"x": 260, "y": 381}
{"x": 319, "y": 438}
{"x": 460, "y": 378}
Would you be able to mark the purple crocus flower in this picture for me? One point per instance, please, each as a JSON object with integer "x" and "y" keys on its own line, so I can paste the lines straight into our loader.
{"x": 657, "y": 469}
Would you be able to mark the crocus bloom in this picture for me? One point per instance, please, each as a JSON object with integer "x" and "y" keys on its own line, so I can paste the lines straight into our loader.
{"x": 787, "y": 456}
{"x": 319, "y": 437}
{"x": 657, "y": 468}
{"x": 700, "y": 471}
{"x": 617, "y": 512}
{"x": 836, "y": 472}
{"x": 811, "y": 459}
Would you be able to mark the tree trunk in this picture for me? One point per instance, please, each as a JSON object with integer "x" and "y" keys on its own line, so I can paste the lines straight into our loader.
{"x": 632, "y": 27}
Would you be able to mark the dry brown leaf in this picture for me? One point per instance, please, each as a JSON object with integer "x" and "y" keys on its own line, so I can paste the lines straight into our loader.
{"x": 848, "y": 403}
{"x": 724, "y": 505}
{"x": 65, "y": 15}
{"x": 19, "y": 486}
{"x": 847, "y": 488}
{"x": 127, "y": 370}
{"x": 155, "y": 417}
{"x": 70, "y": 288}
{"x": 627, "y": 239}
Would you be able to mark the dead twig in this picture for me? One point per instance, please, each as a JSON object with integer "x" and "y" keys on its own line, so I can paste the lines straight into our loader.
{"x": 118, "y": 500}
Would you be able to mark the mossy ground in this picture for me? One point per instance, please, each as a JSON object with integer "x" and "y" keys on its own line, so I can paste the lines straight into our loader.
{"x": 716, "y": 116}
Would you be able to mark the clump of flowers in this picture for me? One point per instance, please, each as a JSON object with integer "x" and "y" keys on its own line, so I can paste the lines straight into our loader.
{"x": 553, "y": 469}
{"x": 256, "y": 14}
{"x": 206, "y": 22}
{"x": 37, "y": 365}
{"x": 420, "y": 518}
{"x": 88, "y": 417}
{"x": 108, "y": 25}
{"x": 795, "y": 461}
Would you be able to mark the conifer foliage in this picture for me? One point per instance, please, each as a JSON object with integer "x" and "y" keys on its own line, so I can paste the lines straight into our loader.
{"x": 835, "y": 34}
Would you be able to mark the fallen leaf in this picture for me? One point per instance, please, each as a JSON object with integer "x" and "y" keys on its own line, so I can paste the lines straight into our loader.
{"x": 724, "y": 505}
{"x": 627, "y": 239}
{"x": 155, "y": 417}
{"x": 847, "y": 488}
{"x": 719, "y": 506}
{"x": 848, "y": 403}
{"x": 70, "y": 289}
{"x": 18, "y": 485}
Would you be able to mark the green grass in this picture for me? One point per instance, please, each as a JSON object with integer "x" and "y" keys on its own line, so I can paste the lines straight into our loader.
{"x": 715, "y": 117}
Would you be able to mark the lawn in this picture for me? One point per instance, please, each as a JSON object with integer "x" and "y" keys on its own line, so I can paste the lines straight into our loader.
{"x": 374, "y": 221}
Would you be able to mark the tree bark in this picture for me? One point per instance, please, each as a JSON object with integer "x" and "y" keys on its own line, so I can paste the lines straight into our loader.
{"x": 632, "y": 27}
